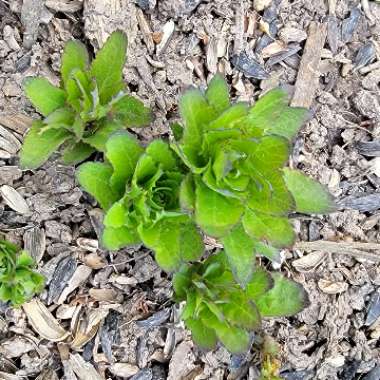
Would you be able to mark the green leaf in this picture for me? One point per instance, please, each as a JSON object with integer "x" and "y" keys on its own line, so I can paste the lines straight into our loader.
{"x": 201, "y": 334}
{"x": 131, "y": 112}
{"x": 40, "y": 144}
{"x": 24, "y": 260}
{"x": 116, "y": 216}
{"x": 268, "y": 251}
{"x": 116, "y": 238}
{"x": 270, "y": 195}
{"x": 75, "y": 56}
{"x": 285, "y": 299}
{"x": 239, "y": 248}
{"x": 173, "y": 241}
{"x": 60, "y": 118}
{"x": 182, "y": 282}
{"x": 240, "y": 311}
{"x": 187, "y": 193}
{"x": 234, "y": 338}
{"x": 107, "y": 67}
{"x": 272, "y": 114}
{"x": 101, "y": 134}
{"x": 276, "y": 230}
{"x": 229, "y": 118}
{"x": 215, "y": 213}
{"x": 310, "y": 196}
{"x": 45, "y": 97}
{"x": 95, "y": 178}
{"x": 162, "y": 154}
{"x": 76, "y": 153}
{"x": 217, "y": 93}
{"x": 123, "y": 152}
{"x": 260, "y": 283}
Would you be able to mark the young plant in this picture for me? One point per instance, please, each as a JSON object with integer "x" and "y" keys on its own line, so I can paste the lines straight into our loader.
{"x": 238, "y": 188}
{"x": 139, "y": 191}
{"x": 217, "y": 308}
{"x": 18, "y": 281}
{"x": 89, "y": 105}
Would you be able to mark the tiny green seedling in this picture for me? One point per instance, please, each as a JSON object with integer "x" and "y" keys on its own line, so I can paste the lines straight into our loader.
{"x": 89, "y": 105}
{"x": 217, "y": 308}
{"x": 18, "y": 281}
{"x": 139, "y": 191}
{"x": 238, "y": 188}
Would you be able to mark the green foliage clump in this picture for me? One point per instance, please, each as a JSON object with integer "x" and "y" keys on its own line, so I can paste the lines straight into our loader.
{"x": 217, "y": 308}
{"x": 18, "y": 281}
{"x": 89, "y": 105}
{"x": 238, "y": 189}
{"x": 139, "y": 190}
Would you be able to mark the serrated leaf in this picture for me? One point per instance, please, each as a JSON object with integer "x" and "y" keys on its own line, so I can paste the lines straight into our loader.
{"x": 123, "y": 152}
{"x": 239, "y": 249}
{"x": 39, "y": 146}
{"x": 284, "y": 299}
{"x": 95, "y": 178}
{"x": 131, "y": 112}
{"x": 45, "y": 97}
{"x": 24, "y": 260}
{"x": 201, "y": 334}
{"x": 75, "y": 56}
{"x": 215, "y": 213}
{"x": 75, "y": 153}
{"x": 173, "y": 241}
{"x": 270, "y": 195}
{"x": 310, "y": 196}
{"x": 101, "y": 134}
{"x": 276, "y": 230}
{"x": 217, "y": 93}
{"x": 162, "y": 154}
{"x": 272, "y": 114}
{"x": 116, "y": 238}
{"x": 260, "y": 283}
{"x": 107, "y": 67}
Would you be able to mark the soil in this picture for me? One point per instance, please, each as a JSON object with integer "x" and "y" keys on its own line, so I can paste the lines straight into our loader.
{"x": 117, "y": 307}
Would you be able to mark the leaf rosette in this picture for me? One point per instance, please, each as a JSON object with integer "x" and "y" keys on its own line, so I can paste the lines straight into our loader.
{"x": 218, "y": 309}
{"x": 139, "y": 190}
{"x": 238, "y": 188}
{"x": 18, "y": 281}
{"x": 90, "y": 105}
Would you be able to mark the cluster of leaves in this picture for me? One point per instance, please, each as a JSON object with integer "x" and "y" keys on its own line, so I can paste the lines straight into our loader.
{"x": 218, "y": 308}
{"x": 238, "y": 189}
{"x": 139, "y": 190}
{"x": 18, "y": 281}
{"x": 224, "y": 175}
{"x": 89, "y": 105}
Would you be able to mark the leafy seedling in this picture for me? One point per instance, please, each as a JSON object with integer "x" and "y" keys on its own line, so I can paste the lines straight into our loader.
{"x": 238, "y": 188}
{"x": 139, "y": 191}
{"x": 217, "y": 308}
{"x": 18, "y": 281}
{"x": 90, "y": 105}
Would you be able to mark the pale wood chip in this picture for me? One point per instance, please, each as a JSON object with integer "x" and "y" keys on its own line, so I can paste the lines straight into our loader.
{"x": 14, "y": 199}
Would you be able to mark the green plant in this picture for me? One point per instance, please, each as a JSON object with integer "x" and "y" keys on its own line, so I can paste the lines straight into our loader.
{"x": 139, "y": 190}
{"x": 18, "y": 281}
{"x": 218, "y": 308}
{"x": 238, "y": 189}
{"x": 89, "y": 105}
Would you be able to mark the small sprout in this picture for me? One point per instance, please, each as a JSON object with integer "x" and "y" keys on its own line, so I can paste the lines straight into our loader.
{"x": 90, "y": 104}
{"x": 218, "y": 308}
{"x": 18, "y": 281}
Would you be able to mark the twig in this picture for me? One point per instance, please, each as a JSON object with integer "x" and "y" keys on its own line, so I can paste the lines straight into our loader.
{"x": 308, "y": 75}
{"x": 357, "y": 249}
